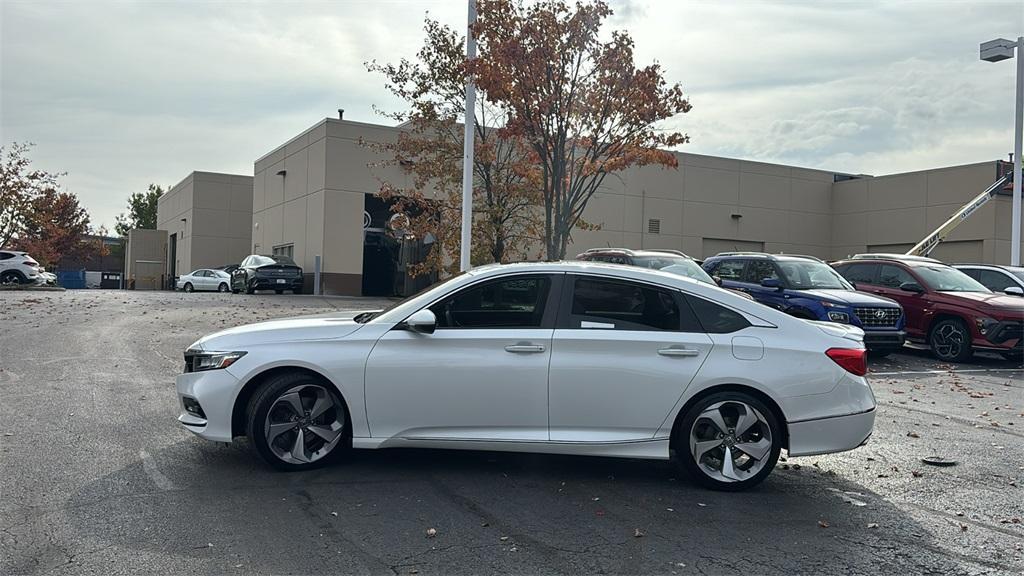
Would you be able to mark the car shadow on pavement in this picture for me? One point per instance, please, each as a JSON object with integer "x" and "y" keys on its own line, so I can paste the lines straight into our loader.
{"x": 218, "y": 508}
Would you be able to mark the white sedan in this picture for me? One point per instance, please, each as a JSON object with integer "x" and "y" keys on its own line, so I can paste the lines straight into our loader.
{"x": 568, "y": 358}
{"x": 204, "y": 279}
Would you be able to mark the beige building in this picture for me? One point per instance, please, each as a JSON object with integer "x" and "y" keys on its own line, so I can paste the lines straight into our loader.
{"x": 145, "y": 259}
{"x": 208, "y": 219}
{"x": 314, "y": 196}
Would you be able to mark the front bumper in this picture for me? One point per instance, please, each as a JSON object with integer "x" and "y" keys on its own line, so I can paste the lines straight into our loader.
{"x": 215, "y": 391}
{"x": 1007, "y": 334}
{"x": 827, "y": 435}
{"x": 884, "y": 339}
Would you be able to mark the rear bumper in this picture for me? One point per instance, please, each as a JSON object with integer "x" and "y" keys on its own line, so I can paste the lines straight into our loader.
{"x": 884, "y": 339}
{"x": 273, "y": 284}
{"x": 827, "y": 435}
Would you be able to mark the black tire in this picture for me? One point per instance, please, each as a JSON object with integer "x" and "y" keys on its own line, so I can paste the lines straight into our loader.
{"x": 223, "y": 287}
{"x": 950, "y": 340}
{"x": 700, "y": 472}
{"x": 188, "y": 287}
{"x": 249, "y": 289}
{"x": 11, "y": 277}
{"x": 880, "y": 353}
{"x": 265, "y": 398}
{"x": 278, "y": 291}
{"x": 235, "y": 290}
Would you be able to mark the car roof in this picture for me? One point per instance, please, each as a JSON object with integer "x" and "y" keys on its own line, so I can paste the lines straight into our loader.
{"x": 996, "y": 266}
{"x": 636, "y": 252}
{"x": 764, "y": 256}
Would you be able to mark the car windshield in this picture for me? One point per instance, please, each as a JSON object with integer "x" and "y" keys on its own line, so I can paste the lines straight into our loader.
{"x": 948, "y": 279}
{"x": 367, "y": 316}
{"x": 809, "y": 275}
{"x": 690, "y": 269}
{"x": 1018, "y": 272}
{"x": 269, "y": 260}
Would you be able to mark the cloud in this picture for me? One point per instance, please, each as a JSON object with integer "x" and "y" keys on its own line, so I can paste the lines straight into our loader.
{"x": 123, "y": 94}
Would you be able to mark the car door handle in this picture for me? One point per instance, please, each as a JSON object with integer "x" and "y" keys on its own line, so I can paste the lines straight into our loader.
{"x": 687, "y": 352}
{"x": 524, "y": 348}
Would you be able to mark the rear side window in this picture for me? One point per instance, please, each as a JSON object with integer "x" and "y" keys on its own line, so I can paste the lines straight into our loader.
{"x": 609, "y": 258}
{"x": 600, "y": 303}
{"x": 863, "y": 273}
{"x": 714, "y": 318}
{"x": 892, "y": 276}
{"x": 6, "y": 255}
{"x": 730, "y": 270}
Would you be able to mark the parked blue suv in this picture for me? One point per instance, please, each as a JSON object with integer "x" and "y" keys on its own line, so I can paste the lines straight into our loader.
{"x": 806, "y": 287}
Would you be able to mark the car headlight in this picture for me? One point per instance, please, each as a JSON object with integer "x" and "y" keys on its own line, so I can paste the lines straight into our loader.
{"x": 985, "y": 324}
{"x": 198, "y": 360}
{"x": 841, "y": 317}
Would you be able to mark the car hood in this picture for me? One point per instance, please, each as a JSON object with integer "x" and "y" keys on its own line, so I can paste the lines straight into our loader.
{"x": 321, "y": 327}
{"x": 851, "y": 297}
{"x": 989, "y": 300}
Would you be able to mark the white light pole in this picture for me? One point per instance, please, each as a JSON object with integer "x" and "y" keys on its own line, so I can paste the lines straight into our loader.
{"x": 467, "y": 150}
{"x": 994, "y": 51}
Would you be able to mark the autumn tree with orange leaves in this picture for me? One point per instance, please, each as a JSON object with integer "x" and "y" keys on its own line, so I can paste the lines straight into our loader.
{"x": 579, "y": 102}
{"x": 506, "y": 186}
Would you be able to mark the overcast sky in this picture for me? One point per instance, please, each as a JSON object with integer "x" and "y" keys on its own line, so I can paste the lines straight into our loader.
{"x": 121, "y": 94}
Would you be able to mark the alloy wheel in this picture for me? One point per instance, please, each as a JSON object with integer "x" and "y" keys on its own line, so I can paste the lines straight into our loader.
{"x": 9, "y": 279}
{"x": 948, "y": 340}
{"x": 304, "y": 424}
{"x": 731, "y": 441}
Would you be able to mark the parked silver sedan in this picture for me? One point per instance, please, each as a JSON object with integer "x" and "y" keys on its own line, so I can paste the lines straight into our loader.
{"x": 205, "y": 279}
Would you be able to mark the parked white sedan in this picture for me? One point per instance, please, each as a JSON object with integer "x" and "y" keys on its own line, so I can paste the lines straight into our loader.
{"x": 205, "y": 279}
{"x": 569, "y": 358}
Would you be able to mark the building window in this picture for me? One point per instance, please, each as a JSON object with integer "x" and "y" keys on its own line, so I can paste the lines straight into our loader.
{"x": 285, "y": 250}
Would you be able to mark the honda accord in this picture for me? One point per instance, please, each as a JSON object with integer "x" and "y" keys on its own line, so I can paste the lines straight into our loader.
{"x": 568, "y": 358}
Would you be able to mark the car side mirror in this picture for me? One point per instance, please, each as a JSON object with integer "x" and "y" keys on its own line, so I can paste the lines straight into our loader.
{"x": 422, "y": 322}
{"x": 771, "y": 283}
{"x": 1014, "y": 291}
{"x": 717, "y": 279}
{"x": 911, "y": 287}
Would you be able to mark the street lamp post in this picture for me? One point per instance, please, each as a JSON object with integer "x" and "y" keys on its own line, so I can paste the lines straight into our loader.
{"x": 467, "y": 150}
{"x": 994, "y": 51}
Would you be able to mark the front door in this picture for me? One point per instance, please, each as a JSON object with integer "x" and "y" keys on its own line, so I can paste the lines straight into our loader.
{"x": 916, "y": 308}
{"x": 623, "y": 353}
{"x": 482, "y": 374}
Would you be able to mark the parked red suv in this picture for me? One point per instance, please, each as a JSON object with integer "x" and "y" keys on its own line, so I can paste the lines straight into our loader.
{"x": 950, "y": 311}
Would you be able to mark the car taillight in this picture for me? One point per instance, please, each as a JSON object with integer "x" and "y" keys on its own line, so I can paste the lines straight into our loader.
{"x": 853, "y": 360}
{"x": 31, "y": 263}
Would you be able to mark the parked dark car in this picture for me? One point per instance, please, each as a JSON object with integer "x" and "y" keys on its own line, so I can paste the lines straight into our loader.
{"x": 805, "y": 287}
{"x": 947, "y": 309}
{"x": 257, "y": 272}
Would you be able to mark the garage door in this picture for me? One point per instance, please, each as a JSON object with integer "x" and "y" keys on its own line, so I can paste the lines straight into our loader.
{"x": 714, "y": 246}
{"x": 960, "y": 251}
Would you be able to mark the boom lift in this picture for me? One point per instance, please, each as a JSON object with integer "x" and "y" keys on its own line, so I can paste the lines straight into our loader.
{"x": 925, "y": 247}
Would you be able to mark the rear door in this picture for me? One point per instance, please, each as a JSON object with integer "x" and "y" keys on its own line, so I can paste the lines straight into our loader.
{"x": 623, "y": 352}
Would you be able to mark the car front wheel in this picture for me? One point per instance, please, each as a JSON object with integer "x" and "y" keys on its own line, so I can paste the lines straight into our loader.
{"x": 222, "y": 288}
{"x": 950, "y": 340}
{"x": 296, "y": 422}
{"x": 729, "y": 441}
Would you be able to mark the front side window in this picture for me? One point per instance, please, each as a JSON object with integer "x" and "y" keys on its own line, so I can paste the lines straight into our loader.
{"x": 517, "y": 302}
{"x": 599, "y": 303}
{"x": 893, "y": 276}
{"x": 996, "y": 281}
{"x": 811, "y": 275}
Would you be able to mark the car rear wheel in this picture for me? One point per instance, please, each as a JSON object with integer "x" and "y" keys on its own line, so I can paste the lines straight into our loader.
{"x": 10, "y": 278}
{"x": 297, "y": 422}
{"x": 728, "y": 441}
{"x": 950, "y": 340}
{"x": 188, "y": 287}
{"x": 222, "y": 288}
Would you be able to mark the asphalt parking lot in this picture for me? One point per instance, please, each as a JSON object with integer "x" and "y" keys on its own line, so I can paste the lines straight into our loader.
{"x": 98, "y": 478}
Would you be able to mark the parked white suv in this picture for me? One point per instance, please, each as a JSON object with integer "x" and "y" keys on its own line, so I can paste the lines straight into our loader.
{"x": 18, "y": 268}
{"x": 568, "y": 358}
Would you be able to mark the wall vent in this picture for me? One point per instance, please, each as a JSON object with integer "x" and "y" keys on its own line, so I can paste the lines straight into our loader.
{"x": 654, "y": 226}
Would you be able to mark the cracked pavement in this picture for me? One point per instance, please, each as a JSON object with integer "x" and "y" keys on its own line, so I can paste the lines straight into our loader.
{"x": 98, "y": 478}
